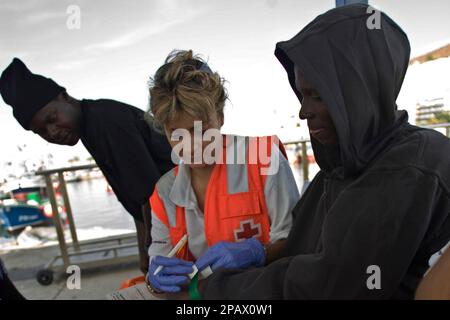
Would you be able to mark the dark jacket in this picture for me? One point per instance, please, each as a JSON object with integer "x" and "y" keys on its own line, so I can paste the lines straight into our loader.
{"x": 131, "y": 156}
{"x": 382, "y": 197}
{"x": 7, "y": 289}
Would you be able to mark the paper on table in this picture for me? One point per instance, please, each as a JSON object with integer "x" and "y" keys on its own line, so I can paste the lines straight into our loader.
{"x": 141, "y": 291}
{"x": 136, "y": 292}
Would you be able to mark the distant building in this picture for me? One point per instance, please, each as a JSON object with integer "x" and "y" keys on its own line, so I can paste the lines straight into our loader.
{"x": 425, "y": 93}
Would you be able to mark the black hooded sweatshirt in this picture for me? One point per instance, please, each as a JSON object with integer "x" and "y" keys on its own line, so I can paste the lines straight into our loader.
{"x": 380, "y": 204}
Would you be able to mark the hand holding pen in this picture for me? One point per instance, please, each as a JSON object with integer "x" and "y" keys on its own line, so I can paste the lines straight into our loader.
{"x": 167, "y": 274}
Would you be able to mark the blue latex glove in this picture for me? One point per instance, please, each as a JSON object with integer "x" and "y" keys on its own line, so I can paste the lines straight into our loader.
{"x": 240, "y": 255}
{"x": 173, "y": 274}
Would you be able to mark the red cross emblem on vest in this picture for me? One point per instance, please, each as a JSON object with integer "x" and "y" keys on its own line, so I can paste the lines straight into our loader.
{"x": 247, "y": 229}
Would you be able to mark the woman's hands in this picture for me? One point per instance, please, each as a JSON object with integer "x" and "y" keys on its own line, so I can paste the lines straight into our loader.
{"x": 171, "y": 277}
{"x": 175, "y": 272}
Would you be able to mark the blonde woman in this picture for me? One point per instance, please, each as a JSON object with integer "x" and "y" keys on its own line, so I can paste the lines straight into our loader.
{"x": 231, "y": 195}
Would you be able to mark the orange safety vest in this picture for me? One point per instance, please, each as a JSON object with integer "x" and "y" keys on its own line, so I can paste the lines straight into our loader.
{"x": 235, "y": 207}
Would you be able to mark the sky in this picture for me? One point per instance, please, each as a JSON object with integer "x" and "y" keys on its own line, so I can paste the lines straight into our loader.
{"x": 121, "y": 43}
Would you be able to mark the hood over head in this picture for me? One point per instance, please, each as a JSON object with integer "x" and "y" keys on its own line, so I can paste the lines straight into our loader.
{"x": 358, "y": 73}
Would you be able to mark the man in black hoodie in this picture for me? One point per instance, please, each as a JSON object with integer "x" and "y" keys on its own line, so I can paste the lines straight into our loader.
{"x": 379, "y": 208}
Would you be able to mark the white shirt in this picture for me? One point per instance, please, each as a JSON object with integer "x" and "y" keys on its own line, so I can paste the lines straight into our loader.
{"x": 281, "y": 195}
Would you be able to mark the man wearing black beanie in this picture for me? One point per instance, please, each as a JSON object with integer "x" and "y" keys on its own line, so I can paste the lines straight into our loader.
{"x": 130, "y": 154}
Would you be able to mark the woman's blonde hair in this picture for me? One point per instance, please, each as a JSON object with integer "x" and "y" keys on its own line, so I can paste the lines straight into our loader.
{"x": 184, "y": 84}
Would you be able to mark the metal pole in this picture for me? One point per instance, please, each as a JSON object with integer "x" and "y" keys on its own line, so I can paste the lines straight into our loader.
{"x": 305, "y": 162}
{"x": 447, "y": 131}
{"x": 340, "y": 3}
{"x": 73, "y": 230}
{"x": 57, "y": 222}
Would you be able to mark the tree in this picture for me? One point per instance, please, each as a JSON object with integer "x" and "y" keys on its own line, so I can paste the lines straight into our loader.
{"x": 440, "y": 117}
